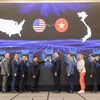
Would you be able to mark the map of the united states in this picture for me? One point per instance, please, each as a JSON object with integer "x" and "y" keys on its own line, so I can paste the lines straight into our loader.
{"x": 11, "y": 27}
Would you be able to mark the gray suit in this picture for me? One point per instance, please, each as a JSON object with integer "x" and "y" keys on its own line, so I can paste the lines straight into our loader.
{"x": 4, "y": 73}
{"x": 70, "y": 67}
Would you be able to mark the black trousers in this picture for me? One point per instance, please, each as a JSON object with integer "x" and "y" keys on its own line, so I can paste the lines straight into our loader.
{"x": 57, "y": 82}
{"x": 22, "y": 83}
{"x": 94, "y": 80}
{"x": 35, "y": 82}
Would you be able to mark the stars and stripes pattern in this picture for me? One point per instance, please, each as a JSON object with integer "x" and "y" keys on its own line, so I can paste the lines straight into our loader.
{"x": 39, "y": 25}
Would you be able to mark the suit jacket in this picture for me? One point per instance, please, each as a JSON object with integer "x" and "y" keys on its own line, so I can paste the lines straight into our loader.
{"x": 93, "y": 68}
{"x": 15, "y": 66}
{"x": 22, "y": 67}
{"x": 5, "y": 67}
{"x": 35, "y": 70}
{"x": 56, "y": 68}
{"x": 70, "y": 67}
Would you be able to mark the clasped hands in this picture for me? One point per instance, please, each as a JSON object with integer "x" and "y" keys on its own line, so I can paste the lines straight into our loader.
{"x": 48, "y": 60}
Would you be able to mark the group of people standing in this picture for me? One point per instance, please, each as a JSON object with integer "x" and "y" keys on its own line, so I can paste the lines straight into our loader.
{"x": 16, "y": 71}
{"x": 19, "y": 69}
{"x": 82, "y": 71}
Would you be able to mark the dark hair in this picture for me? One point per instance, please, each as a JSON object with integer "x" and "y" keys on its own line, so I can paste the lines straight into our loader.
{"x": 69, "y": 54}
{"x": 91, "y": 56}
{"x": 34, "y": 57}
{"x": 15, "y": 54}
{"x": 23, "y": 55}
{"x": 57, "y": 53}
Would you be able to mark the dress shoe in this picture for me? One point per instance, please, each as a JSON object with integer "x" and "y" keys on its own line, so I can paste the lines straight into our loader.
{"x": 24, "y": 91}
{"x": 20, "y": 91}
{"x": 56, "y": 91}
{"x": 14, "y": 91}
{"x": 71, "y": 92}
{"x": 3, "y": 91}
{"x": 95, "y": 91}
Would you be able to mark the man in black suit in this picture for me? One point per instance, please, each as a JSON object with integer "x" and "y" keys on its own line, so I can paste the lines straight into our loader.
{"x": 15, "y": 69}
{"x": 23, "y": 73}
{"x": 93, "y": 74}
{"x": 56, "y": 71}
{"x": 35, "y": 73}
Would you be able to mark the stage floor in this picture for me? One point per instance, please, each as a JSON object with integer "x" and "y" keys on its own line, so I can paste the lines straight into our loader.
{"x": 49, "y": 96}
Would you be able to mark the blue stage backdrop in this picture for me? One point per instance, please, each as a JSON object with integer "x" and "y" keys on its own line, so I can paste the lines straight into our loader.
{"x": 43, "y": 28}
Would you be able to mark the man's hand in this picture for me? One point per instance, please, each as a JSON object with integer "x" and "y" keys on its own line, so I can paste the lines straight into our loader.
{"x": 75, "y": 59}
{"x": 96, "y": 58}
{"x": 34, "y": 76}
{"x": 46, "y": 60}
{"x": 91, "y": 76}
{"x": 23, "y": 75}
{"x": 55, "y": 74}
{"x": 68, "y": 74}
{"x": 15, "y": 74}
{"x": 8, "y": 74}
{"x": 80, "y": 71}
{"x": 50, "y": 60}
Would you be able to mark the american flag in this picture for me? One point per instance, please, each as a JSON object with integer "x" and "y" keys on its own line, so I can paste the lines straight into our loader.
{"x": 39, "y": 25}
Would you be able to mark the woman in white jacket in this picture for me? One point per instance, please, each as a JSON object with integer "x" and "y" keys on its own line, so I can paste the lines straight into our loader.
{"x": 82, "y": 71}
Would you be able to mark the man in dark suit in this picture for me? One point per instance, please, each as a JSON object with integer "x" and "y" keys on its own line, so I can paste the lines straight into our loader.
{"x": 70, "y": 71}
{"x": 35, "y": 73}
{"x": 23, "y": 73}
{"x": 15, "y": 69}
{"x": 93, "y": 73}
{"x": 56, "y": 71}
{"x": 5, "y": 72}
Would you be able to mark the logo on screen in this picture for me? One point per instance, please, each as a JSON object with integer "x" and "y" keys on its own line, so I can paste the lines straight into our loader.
{"x": 61, "y": 25}
{"x": 39, "y": 25}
